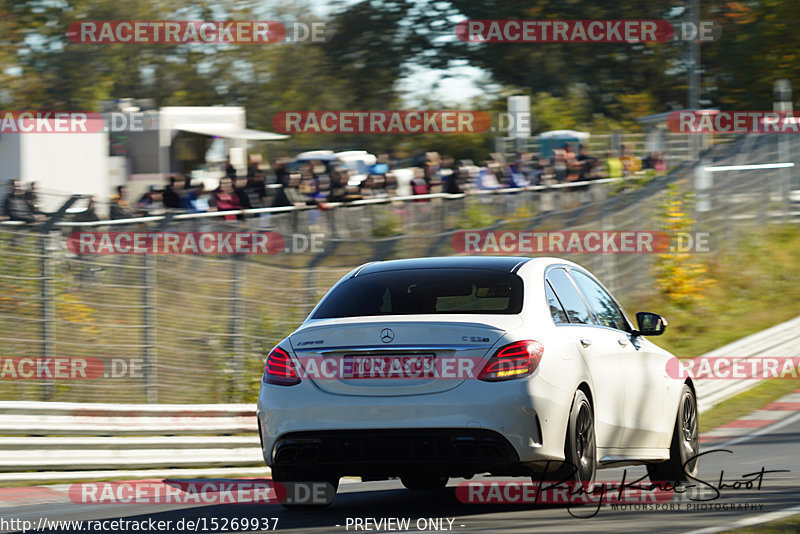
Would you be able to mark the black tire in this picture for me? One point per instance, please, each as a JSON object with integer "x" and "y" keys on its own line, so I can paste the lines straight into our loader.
{"x": 580, "y": 450}
{"x": 683, "y": 450}
{"x": 424, "y": 481}
{"x": 289, "y": 477}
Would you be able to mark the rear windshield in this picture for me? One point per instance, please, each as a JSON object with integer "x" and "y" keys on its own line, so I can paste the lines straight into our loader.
{"x": 423, "y": 291}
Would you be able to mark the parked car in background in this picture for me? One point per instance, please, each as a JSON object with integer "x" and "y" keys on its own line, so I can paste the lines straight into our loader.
{"x": 357, "y": 162}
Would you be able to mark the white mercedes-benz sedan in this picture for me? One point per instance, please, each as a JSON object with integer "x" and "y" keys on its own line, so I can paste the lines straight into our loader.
{"x": 431, "y": 368}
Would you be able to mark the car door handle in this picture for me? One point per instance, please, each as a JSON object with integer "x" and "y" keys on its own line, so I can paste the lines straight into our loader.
{"x": 622, "y": 341}
{"x": 586, "y": 342}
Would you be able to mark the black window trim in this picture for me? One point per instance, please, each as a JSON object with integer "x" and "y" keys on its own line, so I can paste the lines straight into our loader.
{"x": 548, "y": 284}
{"x": 596, "y": 322}
{"x": 604, "y": 288}
{"x": 580, "y": 294}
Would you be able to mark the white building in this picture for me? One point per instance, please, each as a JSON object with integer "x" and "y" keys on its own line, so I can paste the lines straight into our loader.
{"x": 164, "y": 141}
{"x": 60, "y": 163}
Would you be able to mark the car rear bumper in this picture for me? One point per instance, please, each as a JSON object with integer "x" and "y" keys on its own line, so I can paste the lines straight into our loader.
{"x": 387, "y": 452}
{"x": 477, "y": 426}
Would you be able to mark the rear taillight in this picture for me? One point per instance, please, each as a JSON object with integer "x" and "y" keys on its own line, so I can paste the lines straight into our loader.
{"x": 516, "y": 360}
{"x": 279, "y": 369}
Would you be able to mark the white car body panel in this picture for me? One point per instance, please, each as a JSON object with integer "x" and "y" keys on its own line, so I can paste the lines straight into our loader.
{"x": 635, "y": 403}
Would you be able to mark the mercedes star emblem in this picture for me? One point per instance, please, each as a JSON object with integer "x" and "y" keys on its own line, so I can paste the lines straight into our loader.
{"x": 387, "y": 335}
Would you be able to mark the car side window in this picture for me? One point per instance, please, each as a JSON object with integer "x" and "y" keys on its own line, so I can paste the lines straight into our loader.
{"x": 556, "y": 309}
{"x": 569, "y": 297}
{"x": 607, "y": 312}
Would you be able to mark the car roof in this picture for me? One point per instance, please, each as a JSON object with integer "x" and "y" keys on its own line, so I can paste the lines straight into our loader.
{"x": 353, "y": 154}
{"x": 317, "y": 157}
{"x": 497, "y": 263}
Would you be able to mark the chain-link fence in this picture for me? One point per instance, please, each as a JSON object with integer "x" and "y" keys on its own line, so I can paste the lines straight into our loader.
{"x": 196, "y": 328}
{"x": 676, "y": 148}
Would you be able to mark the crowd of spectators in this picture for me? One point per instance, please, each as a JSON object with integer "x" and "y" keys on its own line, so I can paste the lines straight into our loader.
{"x": 181, "y": 193}
{"x": 320, "y": 184}
{"x": 21, "y": 204}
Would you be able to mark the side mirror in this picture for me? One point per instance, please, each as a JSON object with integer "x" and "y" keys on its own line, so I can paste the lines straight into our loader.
{"x": 650, "y": 324}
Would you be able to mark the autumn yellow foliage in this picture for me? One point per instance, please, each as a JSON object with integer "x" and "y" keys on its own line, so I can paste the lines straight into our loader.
{"x": 680, "y": 276}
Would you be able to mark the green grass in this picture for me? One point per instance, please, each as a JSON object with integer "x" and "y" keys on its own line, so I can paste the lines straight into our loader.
{"x": 757, "y": 285}
{"x": 746, "y": 402}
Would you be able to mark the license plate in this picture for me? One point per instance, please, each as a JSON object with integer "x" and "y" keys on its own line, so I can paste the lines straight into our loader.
{"x": 395, "y": 366}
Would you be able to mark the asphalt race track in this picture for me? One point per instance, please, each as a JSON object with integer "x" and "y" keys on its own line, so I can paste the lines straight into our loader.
{"x": 773, "y": 448}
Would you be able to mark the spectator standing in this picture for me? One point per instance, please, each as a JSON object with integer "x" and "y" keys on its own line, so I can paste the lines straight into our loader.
{"x": 309, "y": 189}
{"x": 257, "y": 189}
{"x": 630, "y": 163}
{"x": 195, "y": 200}
{"x": 281, "y": 172}
{"x": 338, "y": 192}
{"x": 454, "y": 182}
{"x": 89, "y": 214}
{"x": 366, "y": 188}
{"x": 230, "y": 170}
{"x": 488, "y": 177}
{"x": 613, "y": 165}
{"x": 522, "y": 165}
{"x": 32, "y": 198}
{"x": 253, "y": 166}
{"x": 378, "y": 186}
{"x": 120, "y": 208}
{"x": 517, "y": 175}
{"x": 152, "y": 202}
{"x": 225, "y": 198}
{"x": 288, "y": 193}
{"x": 560, "y": 166}
{"x": 174, "y": 191}
{"x": 587, "y": 164}
{"x": 419, "y": 185}
{"x": 655, "y": 161}
{"x": 240, "y": 187}
{"x": 432, "y": 171}
{"x": 16, "y": 206}
{"x": 573, "y": 165}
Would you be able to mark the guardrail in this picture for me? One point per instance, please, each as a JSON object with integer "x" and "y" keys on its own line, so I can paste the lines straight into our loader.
{"x": 96, "y": 419}
{"x": 780, "y": 341}
{"x": 61, "y": 437}
{"x": 57, "y": 438}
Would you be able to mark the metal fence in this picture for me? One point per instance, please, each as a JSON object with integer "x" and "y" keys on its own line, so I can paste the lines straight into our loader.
{"x": 676, "y": 147}
{"x": 196, "y": 328}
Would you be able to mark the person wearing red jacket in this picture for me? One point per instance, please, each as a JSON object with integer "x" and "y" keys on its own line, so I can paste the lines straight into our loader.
{"x": 225, "y": 198}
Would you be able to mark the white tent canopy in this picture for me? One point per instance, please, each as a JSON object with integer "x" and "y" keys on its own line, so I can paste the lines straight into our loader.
{"x": 230, "y": 131}
{"x": 564, "y": 134}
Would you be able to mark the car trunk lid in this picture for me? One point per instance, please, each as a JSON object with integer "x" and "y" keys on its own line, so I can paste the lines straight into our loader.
{"x": 396, "y": 355}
